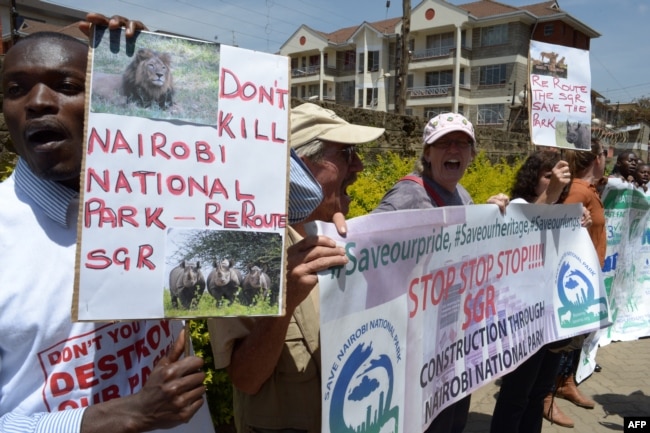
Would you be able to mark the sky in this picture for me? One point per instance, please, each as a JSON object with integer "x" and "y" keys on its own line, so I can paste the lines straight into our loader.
{"x": 619, "y": 58}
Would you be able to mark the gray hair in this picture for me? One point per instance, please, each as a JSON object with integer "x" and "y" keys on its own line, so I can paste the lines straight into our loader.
{"x": 312, "y": 150}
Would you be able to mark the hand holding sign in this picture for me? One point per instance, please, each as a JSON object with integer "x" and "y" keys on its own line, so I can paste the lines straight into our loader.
{"x": 172, "y": 394}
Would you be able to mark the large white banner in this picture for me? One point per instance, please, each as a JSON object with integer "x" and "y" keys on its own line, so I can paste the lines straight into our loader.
{"x": 435, "y": 303}
{"x": 627, "y": 266}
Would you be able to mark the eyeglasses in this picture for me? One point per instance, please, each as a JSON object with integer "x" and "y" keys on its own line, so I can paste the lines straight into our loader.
{"x": 447, "y": 143}
{"x": 348, "y": 153}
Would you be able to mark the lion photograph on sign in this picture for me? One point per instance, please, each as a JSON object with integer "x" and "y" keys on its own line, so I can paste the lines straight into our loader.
{"x": 157, "y": 78}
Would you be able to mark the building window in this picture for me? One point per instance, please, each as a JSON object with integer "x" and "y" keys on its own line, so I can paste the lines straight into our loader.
{"x": 313, "y": 90}
{"x": 345, "y": 91}
{"x": 439, "y": 45}
{"x": 346, "y": 60}
{"x": 490, "y": 114}
{"x": 443, "y": 78}
{"x": 494, "y": 35}
{"x": 369, "y": 98}
{"x": 439, "y": 78}
{"x": 373, "y": 61}
{"x": 492, "y": 75}
{"x": 430, "y": 112}
{"x": 548, "y": 29}
{"x": 314, "y": 60}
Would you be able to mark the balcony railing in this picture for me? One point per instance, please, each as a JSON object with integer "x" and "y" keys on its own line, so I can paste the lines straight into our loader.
{"x": 430, "y": 53}
{"x": 315, "y": 70}
{"x": 315, "y": 97}
{"x": 436, "y": 53}
{"x": 486, "y": 116}
{"x": 304, "y": 71}
{"x": 427, "y": 92}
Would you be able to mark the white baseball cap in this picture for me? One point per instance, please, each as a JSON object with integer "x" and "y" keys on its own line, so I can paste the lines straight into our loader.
{"x": 443, "y": 124}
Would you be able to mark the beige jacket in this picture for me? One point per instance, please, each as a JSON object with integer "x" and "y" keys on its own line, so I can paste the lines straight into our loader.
{"x": 291, "y": 397}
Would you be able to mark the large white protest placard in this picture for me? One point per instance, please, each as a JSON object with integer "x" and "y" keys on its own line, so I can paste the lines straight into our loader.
{"x": 626, "y": 270}
{"x": 627, "y": 264}
{"x": 435, "y": 303}
{"x": 560, "y": 96}
{"x": 184, "y": 183}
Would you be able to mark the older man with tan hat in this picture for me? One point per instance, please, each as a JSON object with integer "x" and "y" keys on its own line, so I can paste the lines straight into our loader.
{"x": 274, "y": 362}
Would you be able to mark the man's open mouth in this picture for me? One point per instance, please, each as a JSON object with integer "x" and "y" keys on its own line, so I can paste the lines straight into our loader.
{"x": 45, "y": 134}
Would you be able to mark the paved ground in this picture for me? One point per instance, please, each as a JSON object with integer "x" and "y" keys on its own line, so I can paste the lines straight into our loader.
{"x": 621, "y": 389}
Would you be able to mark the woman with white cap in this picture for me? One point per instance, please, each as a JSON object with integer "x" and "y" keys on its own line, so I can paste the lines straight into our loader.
{"x": 449, "y": 147}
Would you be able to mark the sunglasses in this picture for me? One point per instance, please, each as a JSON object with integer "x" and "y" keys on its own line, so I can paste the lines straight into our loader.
{"x": 348, "y": 153}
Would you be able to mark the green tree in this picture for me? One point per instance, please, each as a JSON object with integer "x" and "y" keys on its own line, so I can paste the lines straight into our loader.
{"x": 376, "y": 178}
{"x": 482, "y": 179}
{"x": 7, "y": 163}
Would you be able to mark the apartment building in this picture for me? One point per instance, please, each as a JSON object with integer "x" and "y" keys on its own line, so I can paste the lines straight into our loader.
{"x": 470, "y": 58}
{"x": 33, "y": 16}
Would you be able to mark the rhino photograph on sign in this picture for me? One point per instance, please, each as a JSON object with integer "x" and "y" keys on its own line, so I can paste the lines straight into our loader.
{"x": 184, "y": 173}
{"x": 221, "y": 279}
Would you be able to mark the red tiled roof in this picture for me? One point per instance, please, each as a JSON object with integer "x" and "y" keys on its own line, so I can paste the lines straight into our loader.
{"x": 341, "y": 35}
{"x": 480, "y": 9}
{"x": 543, "y": 9}
{"x": 386, "y": 26}
{"x": 488, "y": 8}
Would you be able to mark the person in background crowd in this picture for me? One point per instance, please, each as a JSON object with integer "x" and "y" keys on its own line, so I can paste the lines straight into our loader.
{"x": 274, "y": 362}
{"x": 642, "y": 175}
{"x": 522, "y": 401}
{"x": 625, "y": 166}
{"x": 587, "y": 169}
{"x": 116, "y": 382}
{"x": 449, "y": 147}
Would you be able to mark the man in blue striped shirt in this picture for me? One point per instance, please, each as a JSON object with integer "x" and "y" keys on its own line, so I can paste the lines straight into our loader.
{"x": 56, "y": 375}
